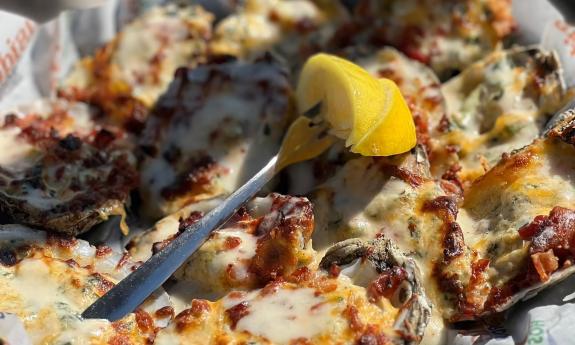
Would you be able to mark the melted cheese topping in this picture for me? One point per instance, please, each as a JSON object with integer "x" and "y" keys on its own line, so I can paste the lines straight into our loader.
{"x": 285, "y": 315}
{"x": 504, "y": 200}
{"x": 148, "y": 51}
{"x": 52, "y": 282}
{"x": 17, "y": 154}
{"x": 435, "y": 33}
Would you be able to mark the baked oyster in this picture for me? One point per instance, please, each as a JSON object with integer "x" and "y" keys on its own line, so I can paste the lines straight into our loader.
{"x": 61, "y": 171}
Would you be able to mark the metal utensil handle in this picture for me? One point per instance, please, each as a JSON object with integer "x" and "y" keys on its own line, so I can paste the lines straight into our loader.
{"x": 131, "y": 292}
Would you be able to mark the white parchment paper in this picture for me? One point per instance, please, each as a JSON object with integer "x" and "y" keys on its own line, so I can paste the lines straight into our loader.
{"x": 34, "y": 58}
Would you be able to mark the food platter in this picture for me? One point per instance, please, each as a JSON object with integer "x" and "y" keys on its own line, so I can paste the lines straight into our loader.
{"x": 153, "y": 127}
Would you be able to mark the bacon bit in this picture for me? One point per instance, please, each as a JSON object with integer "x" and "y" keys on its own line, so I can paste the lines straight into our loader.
{"x": 236, "y": 294}
{"x": 324, "y": 285}
{"x": 300, "y": 341}
{"x": 232, "y": 242}
{"x": 421, "y": 126}
{"x": 500, "y": 295}
{"x": 453, "y": 243}
{"x": 200, "y": 306}
{"x": 352, "y": 315}
{"x": 102, "y": 285}
{"x": 8, "y": 257}
{"x": 120, "y": 339}
{"x": 76, "y": 283}
{"x": 476, "y": 291}
{"x": 194, "y": 180}
{"x": 275, "y": 257}
{"x": 102, "y": 251}
{"x": 193, "y": 218}
{"x": 444, "y": 124}
{"x": 159, "y": 246}
{"x": 545, "y": 263}
{"x": 372, "y": 336}
{"x": 165, "y": 312}
{"x": 334, "y": 270}
{"x": 452, "y": 175}
{"x": 556, "y": 232}
{"x": 302, "y": 274}
{"x": 103, "y": 139}
{"x": 241, "y": 216}
{"x": 451, "y": 189}
{"x": 403, "y": 174}
{"x": 386, "y": 283}
{"x": 272, "y": 287}
{"x": 144, "y": 320}
{"x": 123, "y": 260}
{"x": 72, "y": 263}
{"x": 192, "y": 315}
{"x": 237, "y": 312}
{"x": 445, "y": 206}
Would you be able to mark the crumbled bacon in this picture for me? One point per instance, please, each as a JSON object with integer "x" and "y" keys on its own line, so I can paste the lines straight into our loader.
{"x": 334, "y": 270}
{"x": 232, "y": 242}
{"x": 101, "y": 284}
{"x": 165, "y": 312}
{"x": 236, "y": 313}
{"x": 281, "y": 231}
{"x": 545, "y": 263}
{"x": 552, "y": 240}
{"x": 197, "y": 178}
{"x": 403, "y": 174}
{"x": 372, "y": 336}
{"x": 386, "y": 283}
{"x": 102, "y": 251}
{"x": 190, "y": 316}
{"x": 144, "y": 320}
{"x": 190, "y": 220}
{"x": 352, "y": 315}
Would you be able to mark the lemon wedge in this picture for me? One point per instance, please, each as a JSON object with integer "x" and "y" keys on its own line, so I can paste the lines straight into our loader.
{"x": 369, "y": 113}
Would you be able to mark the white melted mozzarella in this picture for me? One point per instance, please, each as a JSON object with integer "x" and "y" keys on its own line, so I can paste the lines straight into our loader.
{"x": 285, "y": 315}
{"x": 16, "y": 153}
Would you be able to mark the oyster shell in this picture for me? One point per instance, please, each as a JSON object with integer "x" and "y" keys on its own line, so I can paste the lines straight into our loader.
{"x": 383, "y": 259}
{"x": 125, "y": 77}
{"x": 519, "y": 219}
{"x": 235, "y": 114}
